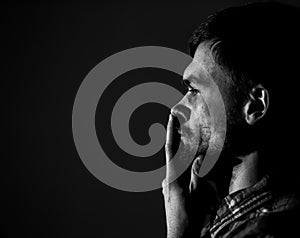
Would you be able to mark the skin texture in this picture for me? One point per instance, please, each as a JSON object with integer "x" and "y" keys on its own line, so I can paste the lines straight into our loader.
{"x": 197, "y": 127}
{"x": 195, "y": 132}
{"x": 189, "y": 199}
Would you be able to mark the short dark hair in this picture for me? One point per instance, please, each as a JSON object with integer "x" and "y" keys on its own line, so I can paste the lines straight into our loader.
{"x": 259, "y": 43}
{"x": 256, "y": 41}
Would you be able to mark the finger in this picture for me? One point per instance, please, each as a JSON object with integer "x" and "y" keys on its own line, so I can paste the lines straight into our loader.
{"x": 172, "y": 137}
{"x": 178, "y": 172}
{"x": 169, "y": 152}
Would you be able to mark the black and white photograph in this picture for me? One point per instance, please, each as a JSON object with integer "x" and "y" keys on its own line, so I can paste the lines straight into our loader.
{"x": 150, "y": 119}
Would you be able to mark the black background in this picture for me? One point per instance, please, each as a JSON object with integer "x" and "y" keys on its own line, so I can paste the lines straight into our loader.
{"x": 47, "y": 50}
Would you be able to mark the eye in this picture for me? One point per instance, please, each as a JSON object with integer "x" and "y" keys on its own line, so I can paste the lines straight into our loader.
{"x": 193, "y": 90}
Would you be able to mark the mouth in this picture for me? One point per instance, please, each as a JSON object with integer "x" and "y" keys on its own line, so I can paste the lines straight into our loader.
{"x": 191, "y": 140}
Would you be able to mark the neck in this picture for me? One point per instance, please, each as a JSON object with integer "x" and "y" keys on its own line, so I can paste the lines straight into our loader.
{"x": 245, "y": 174}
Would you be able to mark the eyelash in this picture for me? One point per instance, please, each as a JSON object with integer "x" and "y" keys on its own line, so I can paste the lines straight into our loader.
{"x": 193, "y": 90}
{"x": 190, "y": 89}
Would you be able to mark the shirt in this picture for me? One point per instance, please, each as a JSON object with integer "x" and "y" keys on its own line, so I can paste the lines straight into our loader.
{"x": 259, "y": 211}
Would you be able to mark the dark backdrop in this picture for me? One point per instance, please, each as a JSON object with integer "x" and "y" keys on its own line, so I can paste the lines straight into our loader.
{"x": 48, "y": 49}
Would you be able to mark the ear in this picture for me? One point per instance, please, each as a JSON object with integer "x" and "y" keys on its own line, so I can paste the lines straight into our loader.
{"x": 257, "y": 105}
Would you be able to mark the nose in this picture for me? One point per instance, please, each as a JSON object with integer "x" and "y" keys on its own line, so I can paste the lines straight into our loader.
{"x": 182, "y": 112}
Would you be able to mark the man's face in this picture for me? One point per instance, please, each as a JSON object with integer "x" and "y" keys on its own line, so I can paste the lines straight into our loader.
{"x": 197, "y": 127}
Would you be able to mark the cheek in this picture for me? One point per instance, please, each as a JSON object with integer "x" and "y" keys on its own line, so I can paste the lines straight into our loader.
{"x": 215, "y": 124}
{"x": 199, "y": 118}
{"x": 200, "y": 114}
{"x": 199, "y": 128}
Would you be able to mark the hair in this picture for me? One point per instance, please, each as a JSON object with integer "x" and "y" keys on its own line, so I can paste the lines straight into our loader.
{"x": 256, "y": 42}
{"x": 259, "y": 43}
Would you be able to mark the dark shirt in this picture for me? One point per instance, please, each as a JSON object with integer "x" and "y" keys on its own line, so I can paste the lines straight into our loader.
{"x": 259, "y": 211}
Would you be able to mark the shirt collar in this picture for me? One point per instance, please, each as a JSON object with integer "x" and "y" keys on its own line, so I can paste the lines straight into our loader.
{"x": 241, "y": 202}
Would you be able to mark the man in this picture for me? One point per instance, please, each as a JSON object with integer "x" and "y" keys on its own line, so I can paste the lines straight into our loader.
{"x": 251, "y": 53}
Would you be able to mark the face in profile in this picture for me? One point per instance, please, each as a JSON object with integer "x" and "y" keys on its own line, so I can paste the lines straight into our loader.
{"x": 200, "y": 126}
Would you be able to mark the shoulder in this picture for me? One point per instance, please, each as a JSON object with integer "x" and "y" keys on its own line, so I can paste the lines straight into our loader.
{"x": 278, "y": 218}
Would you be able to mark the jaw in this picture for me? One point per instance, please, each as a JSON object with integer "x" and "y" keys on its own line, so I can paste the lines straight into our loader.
{"x": 196, "y": 140}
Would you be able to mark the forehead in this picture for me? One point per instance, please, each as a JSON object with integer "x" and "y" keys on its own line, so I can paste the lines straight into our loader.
{"x": 203, "y": 61}
{"x": 204, "y": 68}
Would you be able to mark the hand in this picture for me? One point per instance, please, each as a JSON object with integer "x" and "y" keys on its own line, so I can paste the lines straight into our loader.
{"x": 188, "y": 198}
